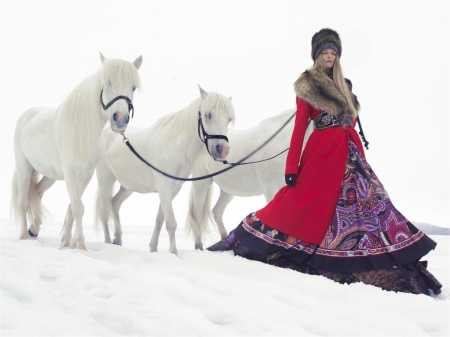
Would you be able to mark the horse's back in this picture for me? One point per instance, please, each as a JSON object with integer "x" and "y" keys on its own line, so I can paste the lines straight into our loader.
{"x": 31, "y": 114}
{"x": 34, "y": 140}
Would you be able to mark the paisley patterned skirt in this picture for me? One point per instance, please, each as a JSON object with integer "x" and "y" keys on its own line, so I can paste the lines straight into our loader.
{"x": 368, "y": 239}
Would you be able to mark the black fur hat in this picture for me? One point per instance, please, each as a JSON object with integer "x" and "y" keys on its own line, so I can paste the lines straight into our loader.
{"x": 323, "y": 39}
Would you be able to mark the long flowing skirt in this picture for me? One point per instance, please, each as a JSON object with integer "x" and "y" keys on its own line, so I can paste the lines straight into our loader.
{"x": 368, "y": 239}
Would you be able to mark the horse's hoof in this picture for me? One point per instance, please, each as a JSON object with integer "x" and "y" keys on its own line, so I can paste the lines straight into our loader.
{"x": 24, "y": 236}
{"x": 77, "y": 244}
{"x": 117, "y": 242}
{"x": 199, "y": 246}
{"x": 32, "y": 234}
{"x": 64, "y": 243}
{"x": 153, "y": 248}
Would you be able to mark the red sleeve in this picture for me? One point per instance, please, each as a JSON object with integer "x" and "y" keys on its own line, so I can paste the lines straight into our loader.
{"x": 295, "y": 149}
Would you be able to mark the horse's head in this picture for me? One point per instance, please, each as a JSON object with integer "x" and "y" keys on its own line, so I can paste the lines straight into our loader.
{"x": 119, "y": 81}
{"x": 215, "y": 114}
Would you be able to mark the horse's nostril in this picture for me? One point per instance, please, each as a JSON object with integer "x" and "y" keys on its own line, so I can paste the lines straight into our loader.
{"x": 218, "y": 148}
{"x": 115, "y": 117}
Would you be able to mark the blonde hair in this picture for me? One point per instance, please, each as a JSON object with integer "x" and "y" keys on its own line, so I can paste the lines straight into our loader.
{"x": 338, "y": 79}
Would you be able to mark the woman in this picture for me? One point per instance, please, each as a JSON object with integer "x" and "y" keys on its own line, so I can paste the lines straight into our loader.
{"x": 334, "y": 218}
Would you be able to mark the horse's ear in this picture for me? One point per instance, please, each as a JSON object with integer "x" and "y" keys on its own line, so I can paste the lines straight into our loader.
{"x": 102, "y": 58}
{"x": 230, "y": 98}
{"x": 203, "y": 93}
{"x": 137, "y": 63}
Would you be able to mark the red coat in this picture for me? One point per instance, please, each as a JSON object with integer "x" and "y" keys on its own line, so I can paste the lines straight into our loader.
{"x": 305, "y": 211}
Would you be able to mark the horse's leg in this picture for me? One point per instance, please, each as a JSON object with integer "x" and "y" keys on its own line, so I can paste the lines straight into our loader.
{"x": 199, "y": 209}
{"x": 67, "y": 228}
{"x": 22, "y": 179}
{"x": 219, "y": 209}
{"x": 158, "y": 225}
{"x": 165, "y": 198}
{"x": 43, "y": 185}
{"x": 76, "y": 188}
{"x": 117, "y": 201}
{"x": 157, "y": 230}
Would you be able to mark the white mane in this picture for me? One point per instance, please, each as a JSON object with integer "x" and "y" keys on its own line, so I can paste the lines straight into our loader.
{"x": 184, "y": 117}
{"x": 219, "y": 102}
{"x": 82, "y": 111}
{"x": 120, "y": 73}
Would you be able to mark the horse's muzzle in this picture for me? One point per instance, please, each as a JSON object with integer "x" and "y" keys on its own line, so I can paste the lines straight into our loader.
{"x": 219, "y": 151}
{"x": 119, "y": 121}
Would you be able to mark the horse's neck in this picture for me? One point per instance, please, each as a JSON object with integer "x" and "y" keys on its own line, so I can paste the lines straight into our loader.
{"x": 179, "y": 130}
{"x": 188, "y": 132}
{"x": 79, "y": 120}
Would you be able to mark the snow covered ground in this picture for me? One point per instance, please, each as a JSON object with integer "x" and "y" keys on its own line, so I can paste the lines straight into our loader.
{"x": 111, "y": 291}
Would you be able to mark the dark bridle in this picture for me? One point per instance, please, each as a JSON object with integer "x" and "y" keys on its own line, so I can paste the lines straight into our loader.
{"x": 126, "y": 98}
{"x": 204, "y": 136}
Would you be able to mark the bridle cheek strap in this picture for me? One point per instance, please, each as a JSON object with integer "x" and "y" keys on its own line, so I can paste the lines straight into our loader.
{"x": 204, "y": 136}
{"x": 126, "y": 98}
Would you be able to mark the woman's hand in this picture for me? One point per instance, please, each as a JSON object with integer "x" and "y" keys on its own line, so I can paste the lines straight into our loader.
{"x": 290, "y": 179}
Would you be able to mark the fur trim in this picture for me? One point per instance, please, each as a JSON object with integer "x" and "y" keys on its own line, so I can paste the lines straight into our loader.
{"x": 321, "y": 41}
{"x": 319, "y": 90}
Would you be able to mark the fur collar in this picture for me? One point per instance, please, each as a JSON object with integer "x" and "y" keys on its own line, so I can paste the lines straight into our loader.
{"x": 319, "y": 90}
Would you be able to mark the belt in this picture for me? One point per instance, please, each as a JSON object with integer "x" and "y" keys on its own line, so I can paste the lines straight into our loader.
{"x": 325, "y": 121}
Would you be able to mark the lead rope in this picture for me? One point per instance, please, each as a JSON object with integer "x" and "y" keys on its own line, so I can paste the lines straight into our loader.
{"x": 232, "y": 165}
{"x": 254, "y": 162}
{"x": 361, "y": 132}
{"x": 260, "y": 161}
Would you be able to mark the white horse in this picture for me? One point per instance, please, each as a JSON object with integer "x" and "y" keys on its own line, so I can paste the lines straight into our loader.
{"x": 170, "y": 145}
{"x": 244, "y": 180}
{"x": 65, "y": 144}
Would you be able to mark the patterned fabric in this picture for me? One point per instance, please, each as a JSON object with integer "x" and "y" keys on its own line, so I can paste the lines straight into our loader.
{"x": 368, "y": 239}
{"x": 365, "y": 221}
{"x": 411, "y": 278}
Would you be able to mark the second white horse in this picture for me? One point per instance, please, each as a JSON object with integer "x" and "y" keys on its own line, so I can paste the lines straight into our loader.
{"x": 170, "y": 144}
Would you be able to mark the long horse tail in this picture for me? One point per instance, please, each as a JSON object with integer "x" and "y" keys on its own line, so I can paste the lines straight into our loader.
{"x": 35, "y": 211}
{"x": 192, "y": 226}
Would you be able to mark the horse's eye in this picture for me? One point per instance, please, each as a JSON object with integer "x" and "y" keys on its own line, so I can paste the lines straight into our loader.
{"x": 134, "y": 88}
{"x": 109, "y": 83}
{"x": 208, "y": 115}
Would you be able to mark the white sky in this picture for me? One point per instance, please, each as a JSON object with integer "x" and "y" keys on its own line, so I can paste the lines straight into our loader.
{"x": 395, "y": 52}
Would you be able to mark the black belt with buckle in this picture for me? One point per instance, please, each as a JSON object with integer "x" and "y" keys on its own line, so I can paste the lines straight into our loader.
{"x": 325, "y": 120}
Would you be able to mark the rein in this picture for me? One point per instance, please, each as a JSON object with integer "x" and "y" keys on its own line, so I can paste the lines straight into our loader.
{"x": 260, "y": 161}
{"x": 361, "y": 132}
{"x": 254, "y": 162}
{"x": 126, "y": 98}
{"x": 232, "y": 165}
